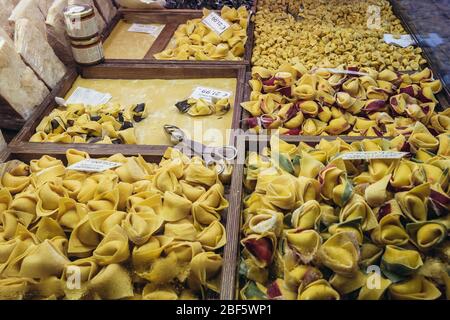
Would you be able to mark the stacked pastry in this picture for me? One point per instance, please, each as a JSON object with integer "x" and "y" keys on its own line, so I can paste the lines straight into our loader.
{"x": 343, "y": 101}
{"x": 329, "y": 33}
{"x": 195, "y": 41}
{"x": 140, "y": 231}
{"x": 105, "y": 124}
{"x": 316, "y": 226}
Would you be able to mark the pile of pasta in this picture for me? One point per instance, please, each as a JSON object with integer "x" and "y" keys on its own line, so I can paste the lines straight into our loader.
{"x": 343, "y": 101}
{"x": 201, "y": 107}
{"x": 195, "y": 41}
{"x": 316, "y": 226}
{"x": 105, "y": 124}
{"x": 329, "y": 33}
{"x": 139, "y": 231}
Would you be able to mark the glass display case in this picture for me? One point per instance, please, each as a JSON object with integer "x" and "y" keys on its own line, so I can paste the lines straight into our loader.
{"x": 428, "y": 23}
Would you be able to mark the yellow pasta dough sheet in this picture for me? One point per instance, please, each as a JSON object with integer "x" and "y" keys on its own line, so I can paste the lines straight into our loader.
{"x": 161, "y": 97}
{"x": 124, "y": 44}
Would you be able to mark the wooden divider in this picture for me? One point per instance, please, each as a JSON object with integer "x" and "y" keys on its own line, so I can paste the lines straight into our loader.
{"x": 171, "y": 19}
{"x": 126, "y": 71}
{"x": 147, "y": 68}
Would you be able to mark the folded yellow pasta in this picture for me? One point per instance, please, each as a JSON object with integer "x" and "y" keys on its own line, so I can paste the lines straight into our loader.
{"x": 317, "y": 226}
{"x": 106, "y": 124}
{"x": 292, "y": 101}
{"x": 194, "y": 40}
{"x": 138, "y": 231}
{"x": 201, "y": 107}
{"x": 331, "y": 33}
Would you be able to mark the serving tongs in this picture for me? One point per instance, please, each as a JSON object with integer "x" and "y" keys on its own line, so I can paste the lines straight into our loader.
{"x": 219, "y": 157}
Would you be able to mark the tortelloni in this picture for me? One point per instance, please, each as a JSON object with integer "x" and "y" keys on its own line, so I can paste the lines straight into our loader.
{"x": 139, "y": 231}
{"x": 201, "y": 107}
{"x": 330, "y": 33}
{"x": 316, "y": 226}
{"x": 328, "y": 102}
{"x": 193, "y": 40}
{"x": 105, "y": 124}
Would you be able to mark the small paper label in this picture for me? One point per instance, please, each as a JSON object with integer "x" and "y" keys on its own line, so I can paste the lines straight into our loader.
{"x": 93, "y": 165}
{"x": 368, "y": 155}
{"x": 146, "y": 28}
{"x": 209, "y": 94}
{"x": 85, "y": 96}
{"x": 403, "y": 41}
{"x": 216, "y": 23}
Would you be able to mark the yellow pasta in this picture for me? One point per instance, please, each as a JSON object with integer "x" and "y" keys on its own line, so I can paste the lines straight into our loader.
{"x": 327, "y": 34}
{"x": 344, "y": 101}
{"x": 139, "y": 231}
{"x": 331, "y": 221}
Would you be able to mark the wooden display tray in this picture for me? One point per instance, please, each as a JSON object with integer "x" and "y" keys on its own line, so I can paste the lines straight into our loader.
{"x": 171, "y": 18}
{"x": 441, "y": 97}
{"x": 151, "y": 155}
{"x": 426, "y": 50}
{"x": 126, "y": 71}
{"x": 247, "y": 144}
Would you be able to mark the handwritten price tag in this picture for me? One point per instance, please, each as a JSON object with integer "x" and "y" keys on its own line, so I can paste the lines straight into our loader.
{"x": 93, "y": 165}
{"x": 369, "y": 155}
{"x": 85, "y": 96}
{"x": 403, "y": 41}
{"x": 216, "y": 23}
{"x": 209, "y": 94}
{"x": 146, "y": 28}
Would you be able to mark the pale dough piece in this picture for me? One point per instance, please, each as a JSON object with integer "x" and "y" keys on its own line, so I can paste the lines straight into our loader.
{"x": 161, "y": 96}
{"x": 29, "y": 9}
{"x": 100, "y": 22}
{"x": 6, "y": 8}
{"x": 122, "y": 44}
{"x": 56, "y": 32}
{"x": 37, "y": 53}
{"x": 19, "y": 86}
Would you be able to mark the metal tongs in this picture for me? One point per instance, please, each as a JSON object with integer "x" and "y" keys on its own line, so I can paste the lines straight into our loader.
{"x": 218, "y": 156}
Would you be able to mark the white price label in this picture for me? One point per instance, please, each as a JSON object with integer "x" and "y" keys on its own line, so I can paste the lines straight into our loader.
{"x": 93, "y": 165}
{"x": 404, "y": 41}
{"x": 85, "y": 96}
{"x": 209, "y": 94}
{"x": 216, "y": 23}
{"x": 146, "y": 28}
{"x": 368, "y": 155}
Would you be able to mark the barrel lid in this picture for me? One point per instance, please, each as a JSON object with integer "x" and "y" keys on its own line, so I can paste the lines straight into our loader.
{"x": 78, "y": 10}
